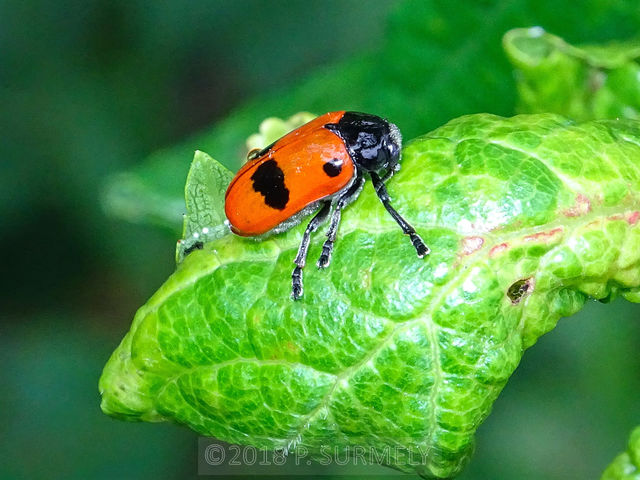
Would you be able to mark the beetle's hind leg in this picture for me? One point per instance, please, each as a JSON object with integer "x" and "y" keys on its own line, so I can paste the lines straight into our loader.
{"x": 343, "y": 201}
{"x": 383, "y": 195}
{"x": 301, "y": 257}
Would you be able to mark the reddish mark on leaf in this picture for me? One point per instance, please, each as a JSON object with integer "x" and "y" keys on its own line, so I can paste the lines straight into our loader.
{"x": 471, "y": 244}
{"x": 543, "y": 236}
{"x": 581, "y": 207}
{"x": 633, "y": 217}
{"x": 498, "y": 249}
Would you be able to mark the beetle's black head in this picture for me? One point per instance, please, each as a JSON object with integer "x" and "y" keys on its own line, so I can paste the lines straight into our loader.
{"x": 372, "y": 142}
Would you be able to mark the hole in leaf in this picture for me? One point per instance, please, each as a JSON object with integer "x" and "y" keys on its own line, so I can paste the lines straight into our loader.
{"x": 518, "y": 290}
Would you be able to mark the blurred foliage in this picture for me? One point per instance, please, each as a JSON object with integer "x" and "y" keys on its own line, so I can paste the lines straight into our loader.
{"x": 439, "y": 60}
{"x": 89, "y": 88}
{"x": 51, "y": 426}
{"x": 584, "y": 83}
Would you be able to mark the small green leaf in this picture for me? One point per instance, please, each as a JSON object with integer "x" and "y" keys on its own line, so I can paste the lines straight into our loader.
{"x": 207, "y": 183}
{"x": 590, "y": 82}
{"x": 626, "y": 466}
{"x": 204, "y": 196}
{"x": 527, "y": 217}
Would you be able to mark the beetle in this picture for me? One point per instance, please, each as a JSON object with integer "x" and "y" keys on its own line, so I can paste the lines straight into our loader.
{"x": 319, "y": 166}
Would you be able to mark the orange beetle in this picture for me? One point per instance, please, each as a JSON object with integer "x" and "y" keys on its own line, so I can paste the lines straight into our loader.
{"x": 317, "y": 166}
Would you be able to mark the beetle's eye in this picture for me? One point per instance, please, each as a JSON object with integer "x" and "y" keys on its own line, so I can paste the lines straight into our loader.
{"x": 254, "y": 153}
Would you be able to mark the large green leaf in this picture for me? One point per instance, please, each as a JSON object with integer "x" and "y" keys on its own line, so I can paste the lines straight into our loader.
{"x": 589, "y": 82}
{"x": 626, "y": 466}
{"x": 527, "y": 217}
{"x": 439, "y": 60}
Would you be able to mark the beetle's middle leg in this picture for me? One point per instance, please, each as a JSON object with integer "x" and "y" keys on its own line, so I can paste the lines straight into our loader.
{"x": 301, "y": 257}
{"x": 343, "y": 200}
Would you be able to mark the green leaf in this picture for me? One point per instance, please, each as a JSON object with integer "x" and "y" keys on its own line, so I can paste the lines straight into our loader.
{"x": 626, "y": 466}
{"x": 527, "y": 217}
{"x": 204, "y": 196}
{"x": 590, "y": 82}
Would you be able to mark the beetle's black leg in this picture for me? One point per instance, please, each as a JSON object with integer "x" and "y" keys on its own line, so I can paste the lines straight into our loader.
{"x": 381, "y": 191}
{"x": 301, "y": 257}
{"x": 343, "y": 200}
{"x": 393, "y": 169}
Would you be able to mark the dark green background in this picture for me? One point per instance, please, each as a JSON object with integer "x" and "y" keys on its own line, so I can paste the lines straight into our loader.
{"x": 91, "y": 88}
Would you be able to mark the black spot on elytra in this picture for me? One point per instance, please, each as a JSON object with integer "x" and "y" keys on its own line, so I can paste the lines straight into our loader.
{"x": 519, "y": 289}
{"x": 333, "y": 167}
{"x": 268, "y": 180}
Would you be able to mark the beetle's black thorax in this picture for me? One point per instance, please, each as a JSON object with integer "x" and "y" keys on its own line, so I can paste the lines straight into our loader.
{"x": 372, "y": 142}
